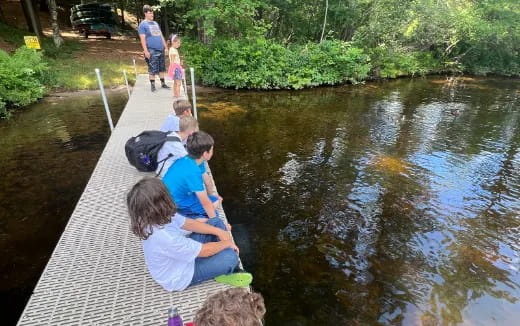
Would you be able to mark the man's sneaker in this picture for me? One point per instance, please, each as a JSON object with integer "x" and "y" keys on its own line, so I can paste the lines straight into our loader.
{"x": 153, "y": 88}
{"x": 165, "y": 86}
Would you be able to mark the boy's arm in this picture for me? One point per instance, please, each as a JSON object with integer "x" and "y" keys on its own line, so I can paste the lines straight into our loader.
{"x": 210, "y": 248}
{"x": 142, "y": 37}
{"x": 206, "y": 203}
{"x": 208, "y": 183}
{"x": 165, "y": 45}
{"x": 203, "y": 228}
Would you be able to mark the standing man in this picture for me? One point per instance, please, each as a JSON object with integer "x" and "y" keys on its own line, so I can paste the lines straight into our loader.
{"x": 154, "y": 47}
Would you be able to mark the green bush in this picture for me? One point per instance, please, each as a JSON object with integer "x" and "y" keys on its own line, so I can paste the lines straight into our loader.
{"x": 388, "y": 62}
{"x": 498, "y": 60}
{"x": 21, "y": 79}
{"x": 266, "y": 64}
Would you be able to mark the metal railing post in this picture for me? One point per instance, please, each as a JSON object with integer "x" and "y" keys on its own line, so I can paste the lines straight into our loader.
{"x": 193, "y": 96}
{"x": 103, "y": 95}
{"x": 126, "y": 81}
{"x": 135, "y": 69}
{"x": 185, "y": 88}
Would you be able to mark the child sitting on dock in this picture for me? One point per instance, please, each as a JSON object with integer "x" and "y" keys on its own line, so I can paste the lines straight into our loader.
{"x": 174, "y": 150}
{"x": 174, "y": 260}
{"x": 181, "y": 108}
{"x": 231, "y": 307}
{"x": 189, "y": 183}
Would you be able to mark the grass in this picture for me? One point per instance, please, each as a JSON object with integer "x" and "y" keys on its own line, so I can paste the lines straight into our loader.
{"x": 70, "y": 74}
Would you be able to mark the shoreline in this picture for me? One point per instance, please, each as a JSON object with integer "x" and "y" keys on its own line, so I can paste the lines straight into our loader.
{"x": 68, "y": 93}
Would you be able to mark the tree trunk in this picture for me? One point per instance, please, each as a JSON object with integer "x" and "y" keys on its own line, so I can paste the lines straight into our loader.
{"x": 204, "y": 24}
{"x": 2, "y": 17}
{"x": 324, "y": 20}
{"x": 202, "y": 33}
{"x": 32, "y": 19}
{"x": 165, "y": 22}
{"x": 123, "y": 14}
{"x": 58, "y": 40}
{"x": 137, "y": 15}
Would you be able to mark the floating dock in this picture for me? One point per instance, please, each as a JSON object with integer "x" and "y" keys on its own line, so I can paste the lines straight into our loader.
{"x": 97, "y": 274}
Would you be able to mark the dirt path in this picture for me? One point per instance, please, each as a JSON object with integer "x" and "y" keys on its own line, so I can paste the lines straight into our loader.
{"x": 98, "y": 47}
{"x": 120, "y": 47}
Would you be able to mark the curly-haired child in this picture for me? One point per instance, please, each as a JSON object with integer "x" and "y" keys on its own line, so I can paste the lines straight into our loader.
{"x": 232, "y": 307}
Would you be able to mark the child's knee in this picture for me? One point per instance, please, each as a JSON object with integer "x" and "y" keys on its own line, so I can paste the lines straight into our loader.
{"x": 229, "y": 258}
{"x": 216, "y": 222}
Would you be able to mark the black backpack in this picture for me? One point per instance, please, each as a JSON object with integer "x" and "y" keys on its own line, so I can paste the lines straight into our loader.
{"x": 141, "y": 150}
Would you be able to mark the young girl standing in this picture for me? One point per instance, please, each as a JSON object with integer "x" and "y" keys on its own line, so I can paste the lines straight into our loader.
{"x": 175, "y": 71}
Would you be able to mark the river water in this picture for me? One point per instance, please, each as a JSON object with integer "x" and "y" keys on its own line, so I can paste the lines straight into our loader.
{"x": 48, "y": 152}
{"x": 392, "y": 203}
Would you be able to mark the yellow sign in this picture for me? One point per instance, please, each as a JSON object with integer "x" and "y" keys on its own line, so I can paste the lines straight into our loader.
{"x": 32, "y": 42}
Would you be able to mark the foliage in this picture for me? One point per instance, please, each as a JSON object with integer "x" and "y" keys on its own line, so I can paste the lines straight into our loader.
{"x": 265, "y": 64}
{"x": 402, "y": 37}
{"x": 269, "y": 44}
{"x": 21, "y": 79}
{"x": 392, "y": 62}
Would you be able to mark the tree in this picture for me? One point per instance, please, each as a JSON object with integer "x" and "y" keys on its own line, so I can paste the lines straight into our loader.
{"x": 56, "y": 36}
{"x": 324, "y": 20}
{"x": 32, "y": 19}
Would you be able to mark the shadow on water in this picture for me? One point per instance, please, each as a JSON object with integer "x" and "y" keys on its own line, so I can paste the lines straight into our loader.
{"x": 48, "y": 152}
{"x": 376, "y": 204}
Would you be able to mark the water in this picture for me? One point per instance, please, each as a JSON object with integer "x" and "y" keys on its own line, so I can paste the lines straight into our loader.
{"x": 353, "y": 205}
{"x": 48, "y": 152}
{"x": 375, "y": 205}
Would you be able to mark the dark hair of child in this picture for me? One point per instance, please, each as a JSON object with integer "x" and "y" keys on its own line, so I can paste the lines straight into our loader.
{"x": 149, "y": 204}
{"x": 198, "y": 143}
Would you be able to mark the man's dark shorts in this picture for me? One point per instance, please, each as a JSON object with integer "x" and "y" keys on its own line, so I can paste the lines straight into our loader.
{"x": 156, "y": 62}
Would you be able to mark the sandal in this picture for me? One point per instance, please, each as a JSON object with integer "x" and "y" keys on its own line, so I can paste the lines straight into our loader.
{"x": 236, "y": 279}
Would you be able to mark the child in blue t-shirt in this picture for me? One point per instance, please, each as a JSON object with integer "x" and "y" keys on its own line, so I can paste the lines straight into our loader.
{"x": 188, "y": 182}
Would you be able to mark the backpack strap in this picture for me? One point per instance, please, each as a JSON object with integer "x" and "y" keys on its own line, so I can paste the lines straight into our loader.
{"x": 170, "y": 155}
{"x": 163, "y": 161}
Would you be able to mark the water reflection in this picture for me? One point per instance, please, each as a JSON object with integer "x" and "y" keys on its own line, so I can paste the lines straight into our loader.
{"x": 377, "y": 205}
{"x": 48, "y": 153}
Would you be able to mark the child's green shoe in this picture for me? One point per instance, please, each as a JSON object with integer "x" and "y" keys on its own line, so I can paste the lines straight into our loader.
{"x": 235, "y": 279}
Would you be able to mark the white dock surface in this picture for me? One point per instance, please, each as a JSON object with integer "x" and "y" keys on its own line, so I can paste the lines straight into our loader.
{"x": 97, "y": 274}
